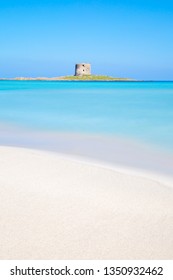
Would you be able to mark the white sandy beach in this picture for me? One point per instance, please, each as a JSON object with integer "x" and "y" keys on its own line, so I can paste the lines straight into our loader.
{"x": 54, "y": 207}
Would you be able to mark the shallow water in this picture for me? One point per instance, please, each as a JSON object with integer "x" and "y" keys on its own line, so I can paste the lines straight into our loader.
{"x": 141, "y": 111}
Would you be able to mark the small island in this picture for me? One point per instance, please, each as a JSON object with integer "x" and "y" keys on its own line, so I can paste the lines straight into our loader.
{"x": 82, "y": 73}
{"x": 73, "y": 78}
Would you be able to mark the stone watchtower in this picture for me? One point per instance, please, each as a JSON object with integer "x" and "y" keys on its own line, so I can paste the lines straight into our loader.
{"x": 82, "y": 69}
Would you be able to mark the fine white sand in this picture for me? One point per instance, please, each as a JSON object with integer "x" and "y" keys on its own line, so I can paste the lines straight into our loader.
{"x": 52, "y": 207}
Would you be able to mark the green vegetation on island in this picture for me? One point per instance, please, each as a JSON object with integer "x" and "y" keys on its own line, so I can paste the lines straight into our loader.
{"x": 92, "y": 78}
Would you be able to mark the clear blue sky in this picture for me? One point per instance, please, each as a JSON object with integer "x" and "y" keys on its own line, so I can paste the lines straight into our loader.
{"x": 123, "y": 38}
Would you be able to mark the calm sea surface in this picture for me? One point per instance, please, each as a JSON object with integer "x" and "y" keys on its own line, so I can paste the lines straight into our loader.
{"x": 136, "y": 110}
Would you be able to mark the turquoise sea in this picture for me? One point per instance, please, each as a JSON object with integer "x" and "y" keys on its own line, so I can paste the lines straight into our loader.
{"x": 142, "y": 111}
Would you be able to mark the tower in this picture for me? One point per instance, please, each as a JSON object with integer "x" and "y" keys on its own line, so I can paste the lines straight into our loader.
{"x": 82, "y": 69}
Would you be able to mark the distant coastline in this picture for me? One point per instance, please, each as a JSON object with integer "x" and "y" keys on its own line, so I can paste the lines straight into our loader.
{"x": 70, "y": 78}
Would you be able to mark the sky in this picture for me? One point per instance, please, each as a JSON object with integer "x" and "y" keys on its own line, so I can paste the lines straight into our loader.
{"x": 129, "y": 38}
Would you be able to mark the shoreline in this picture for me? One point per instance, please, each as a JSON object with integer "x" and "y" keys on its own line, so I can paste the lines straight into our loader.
{"x": 105, "y": 149}
{"x": 67, "y": 80}
{"x": 80, "y": 210}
